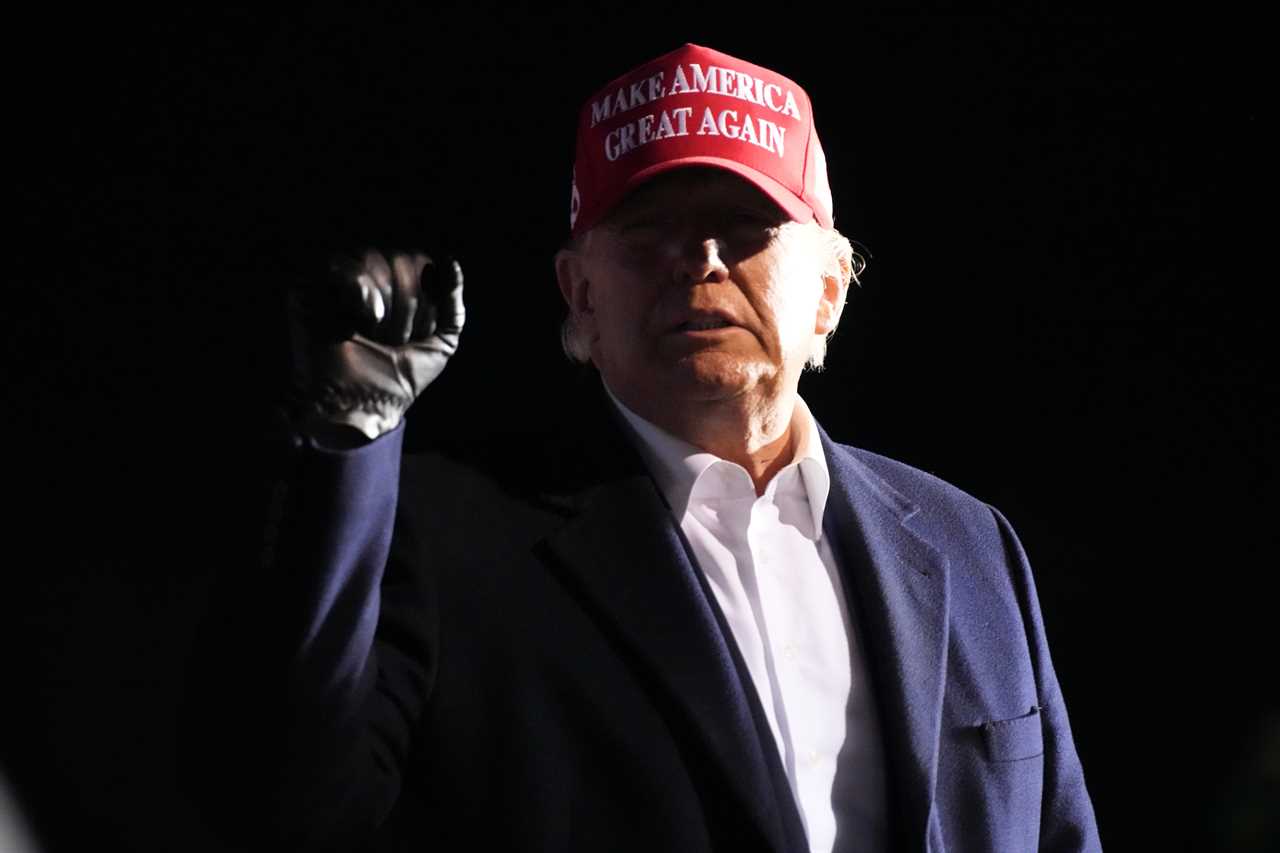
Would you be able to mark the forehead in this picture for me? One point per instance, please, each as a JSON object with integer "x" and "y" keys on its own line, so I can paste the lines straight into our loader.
{"x": 692, "y": 185}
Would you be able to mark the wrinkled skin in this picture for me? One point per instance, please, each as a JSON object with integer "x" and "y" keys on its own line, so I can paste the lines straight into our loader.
{"x": 703, "y": 246}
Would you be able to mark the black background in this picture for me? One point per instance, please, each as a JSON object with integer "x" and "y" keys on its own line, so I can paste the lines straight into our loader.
{"x": 1064, "y": 314}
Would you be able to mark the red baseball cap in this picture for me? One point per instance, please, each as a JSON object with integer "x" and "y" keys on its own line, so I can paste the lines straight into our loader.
{"x": 699, "y": 107}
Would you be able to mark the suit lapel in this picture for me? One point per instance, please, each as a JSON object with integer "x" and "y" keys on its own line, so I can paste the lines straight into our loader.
{"x": 898, "y": 584}
{"x": 623, "y": 550}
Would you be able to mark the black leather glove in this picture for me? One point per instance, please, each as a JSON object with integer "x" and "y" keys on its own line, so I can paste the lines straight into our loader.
{"x": 369, "y": 337}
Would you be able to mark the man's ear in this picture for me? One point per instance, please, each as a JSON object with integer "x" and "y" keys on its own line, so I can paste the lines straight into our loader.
{"x": 571, "y": 274}
{"x": 835, "y": 289}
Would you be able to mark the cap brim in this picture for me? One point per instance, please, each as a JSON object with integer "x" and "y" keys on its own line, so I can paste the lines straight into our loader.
{"x": 790, "y": 203}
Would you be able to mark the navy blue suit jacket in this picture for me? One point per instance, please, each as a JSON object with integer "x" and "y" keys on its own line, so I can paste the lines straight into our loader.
{"x": 513, "y": 647}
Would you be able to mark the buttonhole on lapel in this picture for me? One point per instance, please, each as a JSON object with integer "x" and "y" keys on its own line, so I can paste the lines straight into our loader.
{"x": 902, "y": 558}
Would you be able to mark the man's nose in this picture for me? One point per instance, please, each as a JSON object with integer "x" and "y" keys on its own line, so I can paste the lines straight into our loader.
{"x": 701, "y": 259}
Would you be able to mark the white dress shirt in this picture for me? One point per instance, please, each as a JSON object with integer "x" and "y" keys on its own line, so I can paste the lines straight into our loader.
{"x": 776, "y": 581}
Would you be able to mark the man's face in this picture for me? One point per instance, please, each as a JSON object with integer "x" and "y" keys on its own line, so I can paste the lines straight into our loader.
{"x": 698, "y": 287}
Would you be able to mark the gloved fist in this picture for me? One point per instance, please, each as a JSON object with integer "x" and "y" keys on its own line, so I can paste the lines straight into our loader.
{"x": 368, "y": 338}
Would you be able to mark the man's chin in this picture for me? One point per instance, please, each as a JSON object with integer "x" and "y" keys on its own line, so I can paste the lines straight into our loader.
{"x": 710, "y": 375}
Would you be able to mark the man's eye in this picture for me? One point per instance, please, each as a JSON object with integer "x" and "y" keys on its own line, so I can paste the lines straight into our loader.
{"x": 752, "y": 225}
{"x": 643, "y": 231}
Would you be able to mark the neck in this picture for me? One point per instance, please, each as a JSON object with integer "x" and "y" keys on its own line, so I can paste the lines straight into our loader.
{"x": 757, "y": 434}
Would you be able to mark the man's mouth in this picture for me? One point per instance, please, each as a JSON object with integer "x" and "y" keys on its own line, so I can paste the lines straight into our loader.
{"x": 703, "y": 325}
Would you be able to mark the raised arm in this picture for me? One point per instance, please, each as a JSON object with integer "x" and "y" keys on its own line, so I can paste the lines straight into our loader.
{"x": 313, "y": 664}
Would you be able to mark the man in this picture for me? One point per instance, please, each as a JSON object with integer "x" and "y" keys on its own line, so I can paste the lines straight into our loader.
{"x": 686, "y": 620}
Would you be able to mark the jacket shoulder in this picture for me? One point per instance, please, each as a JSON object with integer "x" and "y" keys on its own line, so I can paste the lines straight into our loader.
{"x": 918, "y": 486}
{"x": 939, "y": 507}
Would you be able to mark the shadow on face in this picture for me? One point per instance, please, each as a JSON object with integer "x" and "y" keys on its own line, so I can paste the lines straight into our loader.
{"x": 697, "y": 203}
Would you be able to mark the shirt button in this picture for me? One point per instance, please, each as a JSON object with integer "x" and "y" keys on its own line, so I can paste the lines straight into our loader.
{"x": 812, "y": 757}
{"x": 789, "y": 651}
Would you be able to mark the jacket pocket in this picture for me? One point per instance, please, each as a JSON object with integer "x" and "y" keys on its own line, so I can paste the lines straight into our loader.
{"x": 1016, "y": 739}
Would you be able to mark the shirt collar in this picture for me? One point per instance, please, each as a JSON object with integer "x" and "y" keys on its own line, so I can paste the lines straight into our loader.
{"x": 676, "y": 464}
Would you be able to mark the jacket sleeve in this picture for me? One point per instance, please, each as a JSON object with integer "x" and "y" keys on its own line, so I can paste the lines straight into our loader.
{"x": 1067, "y": 822}
{"x": 313, "y": 663}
